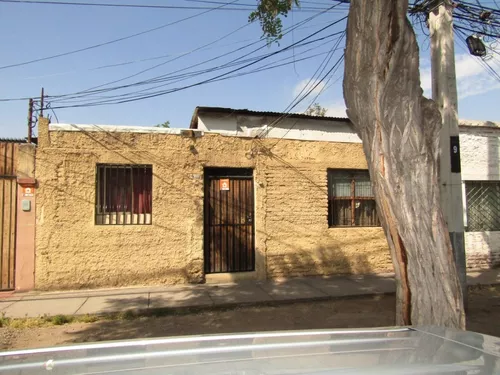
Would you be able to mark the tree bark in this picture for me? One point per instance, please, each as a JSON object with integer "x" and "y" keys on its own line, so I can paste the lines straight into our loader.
{"x": 400, "y": 133}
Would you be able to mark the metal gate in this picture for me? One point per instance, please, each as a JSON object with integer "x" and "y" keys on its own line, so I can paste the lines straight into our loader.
{"x": 229, "y": 220}
{"x": 8, "y": 210}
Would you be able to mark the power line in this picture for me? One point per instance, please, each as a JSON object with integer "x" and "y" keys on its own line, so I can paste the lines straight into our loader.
{"x": 269, "y": 66}
{"x": 209, "y": 80}
{"x": 475, "y": 31}
{"x": 492, "y": 72}
{"x": 330, "y": 73}
{"x": 137, "y": 61}
{"x": 89, "y": 92}
{"x": 109, "y": 5}
{"x": 158, "y": 57}
{"x": 164, "y": 76}
{"x": 182, "y": 77}
{"x": 110, "y": 41}
{"x": 249, "y": 7}
{"x": 297, "y": 100}
{"x": 170, "y": 60}
{"x": 318, "y": 72}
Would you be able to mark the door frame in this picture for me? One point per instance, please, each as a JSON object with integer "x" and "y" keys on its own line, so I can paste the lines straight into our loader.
{"x": 226, "y": 172}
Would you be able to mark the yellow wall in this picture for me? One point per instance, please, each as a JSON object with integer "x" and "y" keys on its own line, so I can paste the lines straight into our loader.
{"x": 292, "y": 234}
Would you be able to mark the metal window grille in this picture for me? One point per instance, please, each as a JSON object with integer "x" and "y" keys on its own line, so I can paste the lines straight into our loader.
{"x": 123, "y": 194}
{"x": 351, "y": 201}
{"x": 483, "y": 205}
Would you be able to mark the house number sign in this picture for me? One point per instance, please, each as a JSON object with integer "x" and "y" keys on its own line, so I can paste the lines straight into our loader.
{"x": 28, "y": 192}
{"x": 224, "y": 184}
{"x": 455, "y": 154}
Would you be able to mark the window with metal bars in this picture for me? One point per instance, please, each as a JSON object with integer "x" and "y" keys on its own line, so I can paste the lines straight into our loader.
{"x": 483, "y": 206}
{"x": 351, "y": 201}
{"x": 123, "y": 194}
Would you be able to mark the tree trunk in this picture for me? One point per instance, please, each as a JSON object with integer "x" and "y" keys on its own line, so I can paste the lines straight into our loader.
{"x": 400, "y": 133}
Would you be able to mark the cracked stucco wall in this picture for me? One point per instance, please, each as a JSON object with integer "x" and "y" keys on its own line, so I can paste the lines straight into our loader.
{"x": 291, "y": 226}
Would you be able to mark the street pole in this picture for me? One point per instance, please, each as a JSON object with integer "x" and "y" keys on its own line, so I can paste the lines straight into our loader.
{"x": 30, "y": 120}
{"x": 444, "y": 93}
{"x": 41, "y": 103}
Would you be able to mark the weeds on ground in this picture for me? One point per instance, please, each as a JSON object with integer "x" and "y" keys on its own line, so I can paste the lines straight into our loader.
{"x": 4, "y": 321}
{"x": 60, "y": 319}
{"x": 47, "y": 321}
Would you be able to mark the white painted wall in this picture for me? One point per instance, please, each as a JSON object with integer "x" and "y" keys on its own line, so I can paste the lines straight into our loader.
{"x": 480, "y": 158}
{"x": 480, "y": 153}
{"x": 288, "y": 128}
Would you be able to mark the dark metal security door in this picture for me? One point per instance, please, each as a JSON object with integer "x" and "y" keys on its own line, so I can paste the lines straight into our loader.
{"x": 229, "y": 220}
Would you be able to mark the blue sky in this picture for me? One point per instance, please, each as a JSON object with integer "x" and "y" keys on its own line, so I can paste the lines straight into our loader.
{"x": 30, "y": 31}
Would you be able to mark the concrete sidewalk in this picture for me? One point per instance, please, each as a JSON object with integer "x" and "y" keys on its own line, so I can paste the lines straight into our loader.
{"x": 105, "y": 301}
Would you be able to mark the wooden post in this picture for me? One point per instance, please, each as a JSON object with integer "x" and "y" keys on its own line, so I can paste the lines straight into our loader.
{"x": 30, "y": 119}
{"x": 41, "y": 103}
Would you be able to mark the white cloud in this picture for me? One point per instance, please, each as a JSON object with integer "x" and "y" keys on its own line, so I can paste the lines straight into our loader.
{"x": 425, "y": 79}
{"x": 472, "y": 76}
{"x": 307, "y": 85}
{"x": 336, "y": 109}
{"x": 467, "y": 66}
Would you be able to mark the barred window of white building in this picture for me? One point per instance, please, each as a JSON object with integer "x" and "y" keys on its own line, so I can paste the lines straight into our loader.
{"x": 483, "y": 205}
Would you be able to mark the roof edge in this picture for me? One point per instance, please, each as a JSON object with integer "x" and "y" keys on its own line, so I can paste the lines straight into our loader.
{"x": 194, "y": 120}
{"x": 247, "y": 112}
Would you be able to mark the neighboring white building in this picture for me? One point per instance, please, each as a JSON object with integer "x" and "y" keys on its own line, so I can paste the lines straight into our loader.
{"x": 246, "y": 123}
{"x": 480, "y": 159}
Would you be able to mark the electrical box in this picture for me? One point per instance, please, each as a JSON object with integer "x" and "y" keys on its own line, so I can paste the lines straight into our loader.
{"x": 26, "y": 205}
{"x": 476, "y": 46}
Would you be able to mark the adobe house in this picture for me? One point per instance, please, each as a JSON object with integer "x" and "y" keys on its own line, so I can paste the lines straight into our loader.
{"x": 121, "y": 205}
{"x": 240, "y": 195}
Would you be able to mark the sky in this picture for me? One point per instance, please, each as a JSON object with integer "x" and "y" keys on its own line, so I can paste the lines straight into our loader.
{"x": 222, "y": 36}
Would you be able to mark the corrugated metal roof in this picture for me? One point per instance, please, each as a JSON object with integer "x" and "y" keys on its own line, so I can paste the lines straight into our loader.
{"x": 248, "y": 112}
{"x": 13, "y": 140}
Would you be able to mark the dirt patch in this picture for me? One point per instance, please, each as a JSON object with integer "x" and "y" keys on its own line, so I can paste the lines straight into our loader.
{"x": 377, "y": 311}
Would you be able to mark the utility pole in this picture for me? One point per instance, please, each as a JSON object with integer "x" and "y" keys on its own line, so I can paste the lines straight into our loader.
{"x": 30, "y": 119}
{"x": 41, "y": 103}
{"x": 444, "y": 93}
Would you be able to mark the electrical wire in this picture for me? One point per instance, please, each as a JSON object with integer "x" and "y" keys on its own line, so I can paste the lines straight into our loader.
{"x": 249, "y": 7}
{"x": 131, "y": 62}
{"x": 111, "y": 41}
{"x": 489, "y": 69}
{"x": 330, "y": 73}
{"x": 170, "y": 60}
{"x": 209, "y": 80}
{"x": 287, "y": 31}
{"x": 181, "y": 77}
{"x": 298, "y": 99}
{"x": 160, "y": 78}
